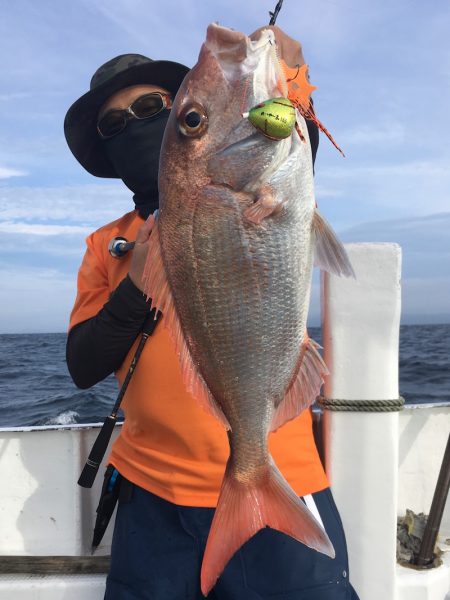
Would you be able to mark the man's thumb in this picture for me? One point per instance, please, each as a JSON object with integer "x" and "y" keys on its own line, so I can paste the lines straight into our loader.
{"x": 145, "y": 230}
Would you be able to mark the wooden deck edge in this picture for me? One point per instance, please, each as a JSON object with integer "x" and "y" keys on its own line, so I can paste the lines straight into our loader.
{"x": 54, "y": 565}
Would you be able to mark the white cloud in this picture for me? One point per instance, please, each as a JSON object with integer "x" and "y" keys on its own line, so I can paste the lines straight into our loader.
{"x": 6, "y": 173}
{"x": 426, "y": 296}
{"x": 47, "y": 227}
{"x": 14, "y": 96}
{"x": 383, "y": 133}
{"x": 91, "y": 205}
{"x": 386, "y": 188}
{"x": 41, "y": 230}
{"x": 416, "y": 168}
{"x": 116, "y": 13}
{"x": 434, "y": 226}
{"x": 425, "y": 243}
{"x": 328, "y": 192}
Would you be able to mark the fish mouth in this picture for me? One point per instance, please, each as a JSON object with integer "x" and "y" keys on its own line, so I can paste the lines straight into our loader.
{"x": 236, "y": 53}
{"x": 226, "y": 44}
{"x": 251, "y": 72}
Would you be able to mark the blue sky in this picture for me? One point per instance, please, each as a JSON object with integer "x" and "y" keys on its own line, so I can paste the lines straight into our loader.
{"x": 383, "y": 75}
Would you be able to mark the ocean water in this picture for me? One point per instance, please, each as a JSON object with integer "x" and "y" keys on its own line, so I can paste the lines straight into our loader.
{"x": 36, "y": 388}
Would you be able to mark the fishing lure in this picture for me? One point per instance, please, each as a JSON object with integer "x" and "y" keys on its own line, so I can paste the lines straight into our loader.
{"x": 274, "y": 118}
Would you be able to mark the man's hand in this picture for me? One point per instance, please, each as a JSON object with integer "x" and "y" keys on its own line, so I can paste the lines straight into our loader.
{"x": 288, "y": 49}
{"x": 140, "y": 251}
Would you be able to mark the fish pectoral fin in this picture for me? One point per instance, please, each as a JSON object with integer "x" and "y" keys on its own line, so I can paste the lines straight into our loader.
{"x": 156, "y": 287}
{"x": 304, "y": 387}
{"x": 245, "y": 508}
{"x": 266, "y": 204}
{"x": 330, "y": 254}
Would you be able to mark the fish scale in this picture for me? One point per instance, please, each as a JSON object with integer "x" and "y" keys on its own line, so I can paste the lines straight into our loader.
{"x": 225, "y": 287}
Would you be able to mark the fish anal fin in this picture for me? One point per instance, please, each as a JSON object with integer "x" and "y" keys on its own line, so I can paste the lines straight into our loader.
{"x": 156, "y": 287}
{"x": 266, "y": 204}
{"x": 330, "y": 254}
{"x": 243, "y": 509}
{"x": 304, "y": 387}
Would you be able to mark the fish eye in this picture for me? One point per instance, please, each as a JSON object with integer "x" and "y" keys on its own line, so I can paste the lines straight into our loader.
{"x": 193, "y": 120}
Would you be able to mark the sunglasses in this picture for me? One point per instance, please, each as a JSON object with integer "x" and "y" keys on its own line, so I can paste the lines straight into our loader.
{"x": 144, "y": 107}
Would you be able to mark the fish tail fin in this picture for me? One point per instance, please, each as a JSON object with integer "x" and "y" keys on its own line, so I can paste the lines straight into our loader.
{"x": 243, "y": 509}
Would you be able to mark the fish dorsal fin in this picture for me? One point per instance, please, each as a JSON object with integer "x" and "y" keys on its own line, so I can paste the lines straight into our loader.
{"x": 156, "y": 287}
{"x": 304, "y": 387}
{"x": 330, "y": 254}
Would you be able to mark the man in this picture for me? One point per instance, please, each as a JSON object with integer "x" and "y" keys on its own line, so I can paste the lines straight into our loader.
{"x": 170, "y": 452}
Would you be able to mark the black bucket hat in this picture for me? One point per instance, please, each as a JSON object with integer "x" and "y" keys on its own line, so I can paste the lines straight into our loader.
{"x": 80, "y": 124}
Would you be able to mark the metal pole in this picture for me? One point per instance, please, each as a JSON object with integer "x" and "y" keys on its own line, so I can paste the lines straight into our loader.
{"x": 425, "y": 556}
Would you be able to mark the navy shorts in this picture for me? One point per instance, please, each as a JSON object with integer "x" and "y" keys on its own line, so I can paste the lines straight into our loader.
{"x": 158, "y": 546}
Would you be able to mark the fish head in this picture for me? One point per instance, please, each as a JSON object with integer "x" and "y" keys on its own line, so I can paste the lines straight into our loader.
{"x": 207, "y": 138}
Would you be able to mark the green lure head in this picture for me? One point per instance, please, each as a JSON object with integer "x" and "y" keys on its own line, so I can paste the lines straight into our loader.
{"x": 275, "y": 118}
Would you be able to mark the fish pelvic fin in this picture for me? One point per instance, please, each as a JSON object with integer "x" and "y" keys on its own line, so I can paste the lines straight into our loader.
{"x": 304, "y": 387}
{"x": 267, "y": 204}
{"x": 156, "y": 287}
{"x": 243, "y": 509}
{"x": 330, "y": 254}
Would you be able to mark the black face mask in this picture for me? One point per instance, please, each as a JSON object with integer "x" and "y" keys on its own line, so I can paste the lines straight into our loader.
{"x": 134, "y": 153}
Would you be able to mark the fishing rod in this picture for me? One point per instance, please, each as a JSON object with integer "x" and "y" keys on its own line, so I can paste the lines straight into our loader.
{"x": 274, "y": 14}
{"x": 100, "y": 446}
{"x": 117, "y": 247}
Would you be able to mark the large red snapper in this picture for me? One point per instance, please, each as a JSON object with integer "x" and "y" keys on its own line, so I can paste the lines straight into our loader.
{"x": 229, "y": 266}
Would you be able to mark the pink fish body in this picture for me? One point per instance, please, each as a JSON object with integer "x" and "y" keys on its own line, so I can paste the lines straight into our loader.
{"x": 230, "y": 266}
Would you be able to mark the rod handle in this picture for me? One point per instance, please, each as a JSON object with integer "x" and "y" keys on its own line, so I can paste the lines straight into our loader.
{"x": 119, "y": 246}
{"x": 97, "y": 453}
